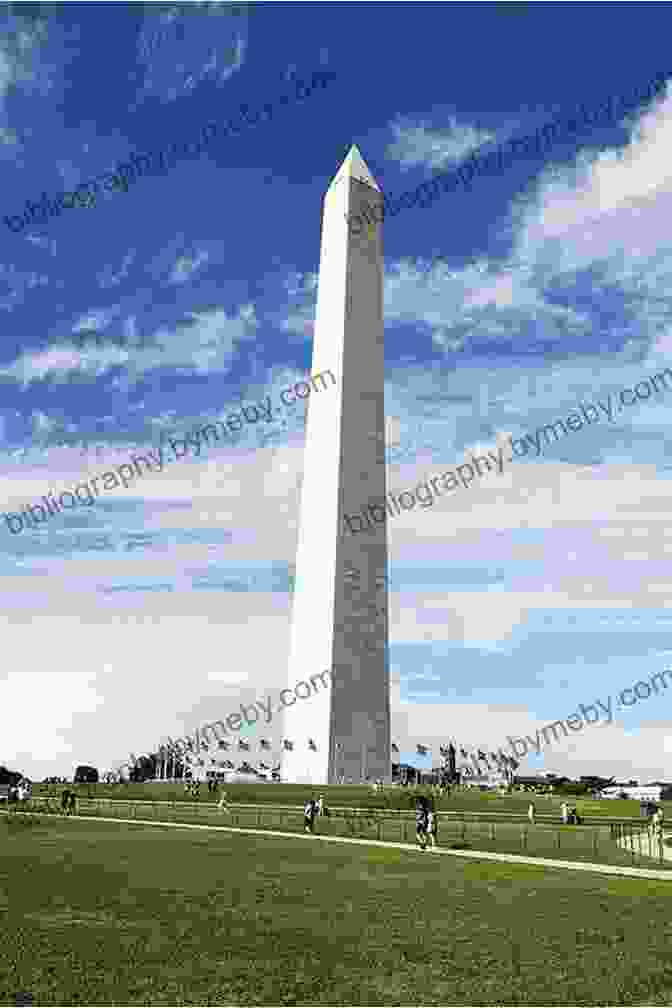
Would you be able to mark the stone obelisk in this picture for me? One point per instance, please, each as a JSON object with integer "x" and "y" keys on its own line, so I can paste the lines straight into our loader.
{"x": 338, "y": 727}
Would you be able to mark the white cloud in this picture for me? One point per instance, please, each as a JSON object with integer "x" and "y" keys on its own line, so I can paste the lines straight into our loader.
{"x": 97, "y": 319}
{"x": 109, "y": 278}
{"x": 19, "y": 66}
{"x": 207, "y": 343}
{"x": 181, "y": 47}
{"x": 479, "y": 301}
{"x": 419, "y": 143}
{"x": 609, "y": 205}
{"x": 185, "y": 266}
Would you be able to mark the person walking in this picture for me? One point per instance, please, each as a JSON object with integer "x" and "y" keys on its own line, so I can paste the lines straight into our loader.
{"x": 530, "y": 813}
{"x": 658, "y": 828}
{"x": 309, "y": 812}
{"x": 223, "y": 804}
{"x": 432, "y": 827}
{"x": 421, "y": 820}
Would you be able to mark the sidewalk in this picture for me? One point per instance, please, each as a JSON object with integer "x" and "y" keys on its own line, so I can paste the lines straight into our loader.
{"x": 600, "y": 869}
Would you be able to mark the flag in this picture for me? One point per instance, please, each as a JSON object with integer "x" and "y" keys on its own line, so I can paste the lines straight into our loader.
{"x": 422, "y": 749}
{"x": 288, "y": 745}
{"x": 264, "y": 743}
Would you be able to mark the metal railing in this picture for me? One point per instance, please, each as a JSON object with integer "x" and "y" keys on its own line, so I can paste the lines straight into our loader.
{"x": 640, "y": 839}
{"x": 540, "y": 840}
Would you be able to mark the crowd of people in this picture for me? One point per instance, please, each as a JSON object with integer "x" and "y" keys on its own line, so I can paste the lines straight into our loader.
{"x": 20, "y": 791}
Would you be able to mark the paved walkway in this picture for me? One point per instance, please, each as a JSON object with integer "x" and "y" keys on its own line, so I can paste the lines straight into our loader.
{"x": 601, "y": 869}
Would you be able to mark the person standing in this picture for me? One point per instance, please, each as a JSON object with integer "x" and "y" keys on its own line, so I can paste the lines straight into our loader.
{"x": 71, "y": 803}
{"x": 222, "y": 804}
{"x": 564, "y": 811}
{"x": 309, "y": 811}
{"x": 530, "y": 813}
{"x": 65, "y": 800}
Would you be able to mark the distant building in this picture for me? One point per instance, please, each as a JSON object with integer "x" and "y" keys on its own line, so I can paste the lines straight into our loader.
{"x": 486, "y": 782}
{"x": 642, "y": 792}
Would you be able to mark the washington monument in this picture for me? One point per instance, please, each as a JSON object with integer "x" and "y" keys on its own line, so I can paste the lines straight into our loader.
{"x": 341, "y": 733}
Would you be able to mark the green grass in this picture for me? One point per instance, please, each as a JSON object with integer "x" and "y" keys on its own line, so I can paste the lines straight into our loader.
{"x": 95, "y": 913}
{"x": 569, "y": 843}
{"x": 358, "y": 797}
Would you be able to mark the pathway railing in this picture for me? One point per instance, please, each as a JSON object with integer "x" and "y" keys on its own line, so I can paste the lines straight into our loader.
{"x": 610, "y": 843}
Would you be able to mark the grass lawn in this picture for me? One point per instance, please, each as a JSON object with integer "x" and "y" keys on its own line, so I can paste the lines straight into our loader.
{"x": 356, "y": 796}
{"x": 570, "y": 843}
{"x": 95, "y": 913}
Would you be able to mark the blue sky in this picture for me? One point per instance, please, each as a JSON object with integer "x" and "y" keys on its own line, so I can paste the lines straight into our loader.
{"x": 167, "y": 605}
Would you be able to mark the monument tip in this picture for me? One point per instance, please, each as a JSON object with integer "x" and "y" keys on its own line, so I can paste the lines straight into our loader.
{"x": 354, "y": 166}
